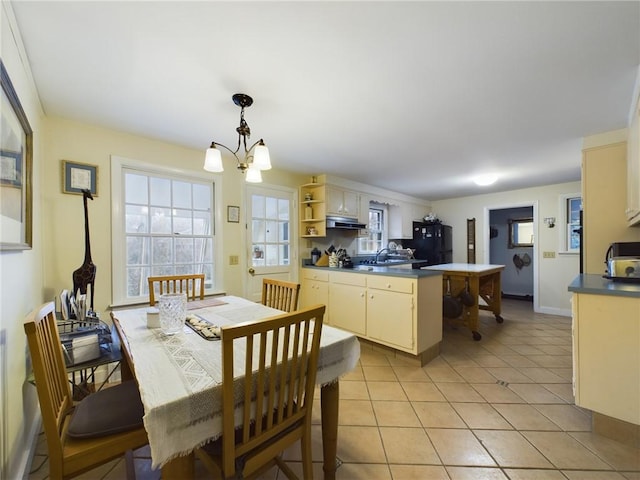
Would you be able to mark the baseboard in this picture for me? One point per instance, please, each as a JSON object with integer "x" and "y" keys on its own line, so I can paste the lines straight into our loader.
{"x": 22, "y": 463}
{"x": 563, "y": 312}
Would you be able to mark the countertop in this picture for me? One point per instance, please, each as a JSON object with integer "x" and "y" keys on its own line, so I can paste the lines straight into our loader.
{"x": 598, "y": 285}
{"x": 465, "y": 267}
{"x": 381, "y": 270}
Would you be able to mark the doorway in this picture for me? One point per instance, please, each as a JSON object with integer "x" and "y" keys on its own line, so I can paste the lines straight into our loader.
{"x": 512, "y": 241}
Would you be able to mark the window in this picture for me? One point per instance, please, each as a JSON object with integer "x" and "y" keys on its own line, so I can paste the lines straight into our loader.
{"x": 166, "y": 227}
{"x": 569, "y": 223}
{"x": 376, "y": 238}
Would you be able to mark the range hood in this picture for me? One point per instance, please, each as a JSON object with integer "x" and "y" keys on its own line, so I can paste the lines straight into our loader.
{"x": 344, "y": 223}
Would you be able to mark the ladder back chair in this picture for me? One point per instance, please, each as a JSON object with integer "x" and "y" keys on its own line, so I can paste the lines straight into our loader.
{"x": 280, "y": 354}
{"x": 191, "y": 284}
{"x": 280, "y": 294}
{"x": 105, "y": 425}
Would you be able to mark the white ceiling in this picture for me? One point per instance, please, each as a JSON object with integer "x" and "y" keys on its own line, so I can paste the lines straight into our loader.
{"x": 415, "y": 97}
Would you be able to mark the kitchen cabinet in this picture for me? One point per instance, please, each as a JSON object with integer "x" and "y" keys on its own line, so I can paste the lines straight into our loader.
{"x": 312, "y": 210}
{"x": 348, "y": 305}
{"x": 391, "y": 311}
{"x": 403, "y": 313}
{"x": 606, "y": 354}
{"x": 401, "y": 221}
{"x": 314, "y": 289}
{"x": 633, "y": 168}
{"x": 341, "y": 202}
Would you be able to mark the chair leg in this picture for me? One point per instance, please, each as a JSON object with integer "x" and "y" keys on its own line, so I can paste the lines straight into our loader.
{"x": 307, "y": 462}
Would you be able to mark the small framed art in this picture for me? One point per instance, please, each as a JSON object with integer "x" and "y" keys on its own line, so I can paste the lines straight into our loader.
{"x": 233, "y": 214}
{"x": 79, "y": 176}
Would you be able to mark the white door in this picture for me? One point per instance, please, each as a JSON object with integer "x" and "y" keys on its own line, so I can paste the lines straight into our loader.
{"x": 272, "y": 250}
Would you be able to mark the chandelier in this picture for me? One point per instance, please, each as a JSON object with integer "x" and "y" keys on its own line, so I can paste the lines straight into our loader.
{"x": 256, "y": 157}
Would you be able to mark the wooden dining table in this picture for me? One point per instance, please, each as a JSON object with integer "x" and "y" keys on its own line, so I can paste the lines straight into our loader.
{"x": 180, "y": 380}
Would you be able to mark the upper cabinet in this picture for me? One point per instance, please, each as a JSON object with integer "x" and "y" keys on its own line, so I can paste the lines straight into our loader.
{"x": 341, "y": 202}
{"x": 633, "y": 168}
{"x": 401, "y": 218}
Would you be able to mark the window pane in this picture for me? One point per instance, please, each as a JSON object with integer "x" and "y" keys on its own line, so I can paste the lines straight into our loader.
{"x": 201, "y": 197}
{"x": 271, "y": 207}
{"x": 181, "y": 195}
{"x": 284, "y": 254}
{"x": 201, "y": 225}
{"x": 162, "y": 251}
{"x": 272, "y": 231}
{"x": 137, "y": 284}
{"x": 283, "y": 209}
{"x": 137, "y": 251}
{"x": 160, "y": 191}
{"x": 136, "y": 219}
{"x": 283, "y": 233}
{"x": 184, "y": 250}
{"x": 136, "y": 188}
{"x": 161, "y": 220}
{"x": 272, "y": 255}
{"x": 258, "y": 229}
{"x": 257, "y": 206}
{"x": 182, "y": 224}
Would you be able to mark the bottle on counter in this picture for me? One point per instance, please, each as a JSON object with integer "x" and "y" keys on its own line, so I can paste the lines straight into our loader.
{"x": 315, "y": 255}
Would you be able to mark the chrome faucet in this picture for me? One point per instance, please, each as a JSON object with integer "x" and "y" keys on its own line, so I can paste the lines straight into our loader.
{"x": 379, "y": 252}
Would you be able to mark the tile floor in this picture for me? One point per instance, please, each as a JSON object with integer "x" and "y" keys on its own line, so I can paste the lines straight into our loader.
{"x": 500, "y": 408}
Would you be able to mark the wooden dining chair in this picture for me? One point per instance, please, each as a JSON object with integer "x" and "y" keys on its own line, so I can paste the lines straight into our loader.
{"x": 192, "y": 284}
{"x": 280, "y": 294}
{"x": 281, "y": 355}
{"x": 105, "y": 425}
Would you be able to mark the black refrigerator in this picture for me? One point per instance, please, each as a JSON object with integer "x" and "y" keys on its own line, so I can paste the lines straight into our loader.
{"x": 432, "y": 242}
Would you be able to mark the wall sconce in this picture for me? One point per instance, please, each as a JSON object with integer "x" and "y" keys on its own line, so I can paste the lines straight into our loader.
{"x": 550, "y": 221}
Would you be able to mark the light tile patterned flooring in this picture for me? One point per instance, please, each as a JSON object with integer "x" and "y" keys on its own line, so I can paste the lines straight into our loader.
{"x": 500, "y": 408}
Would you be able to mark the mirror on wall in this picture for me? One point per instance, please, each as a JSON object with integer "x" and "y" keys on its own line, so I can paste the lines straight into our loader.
{"x": 521, "y": 232}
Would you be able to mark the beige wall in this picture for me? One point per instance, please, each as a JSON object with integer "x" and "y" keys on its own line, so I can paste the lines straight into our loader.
{"x": 553, "y": 274}
{"x": 20, "y": 275}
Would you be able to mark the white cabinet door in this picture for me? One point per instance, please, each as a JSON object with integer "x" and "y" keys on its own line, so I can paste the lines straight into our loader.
{"x": 348, "y": 307}
{"x": 390, "y": 318}
{"x": 633, "y": 169}
{"x": 344, "y": 203}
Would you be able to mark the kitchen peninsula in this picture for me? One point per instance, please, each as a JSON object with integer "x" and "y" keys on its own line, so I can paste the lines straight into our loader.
{"x": 398, "y": 310}
{"x": 606, "y": 355}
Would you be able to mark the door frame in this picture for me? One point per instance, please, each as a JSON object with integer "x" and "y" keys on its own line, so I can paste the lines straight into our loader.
{"x": 536, "y": 258}
{"x": 293, "y": 228}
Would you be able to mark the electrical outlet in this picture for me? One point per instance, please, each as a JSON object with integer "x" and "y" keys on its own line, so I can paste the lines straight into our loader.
{"x": 233, "y": 260}
{"x": 548, "y": 254}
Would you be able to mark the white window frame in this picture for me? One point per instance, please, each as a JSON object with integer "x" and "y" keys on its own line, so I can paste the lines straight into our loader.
{"x": 118, "y": 245}
{"x": 385, "y": 226}
{"x": 563, "y": 224}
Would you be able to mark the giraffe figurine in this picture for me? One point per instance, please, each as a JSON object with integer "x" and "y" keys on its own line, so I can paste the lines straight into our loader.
{"x": 86, "y": 274}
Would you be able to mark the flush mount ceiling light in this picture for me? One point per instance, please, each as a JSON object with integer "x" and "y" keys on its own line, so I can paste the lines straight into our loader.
{"x": 484, "y": 180}
{"x": 256, "y": 157}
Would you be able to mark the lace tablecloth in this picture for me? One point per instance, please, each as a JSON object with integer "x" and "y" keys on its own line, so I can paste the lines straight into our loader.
{"x": 180, "y": 376}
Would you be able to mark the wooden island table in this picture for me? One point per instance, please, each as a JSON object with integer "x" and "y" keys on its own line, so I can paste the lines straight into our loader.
{"x": 483, "y": 283}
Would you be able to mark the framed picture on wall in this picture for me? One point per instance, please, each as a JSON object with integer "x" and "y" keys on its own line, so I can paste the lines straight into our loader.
{"x": 233, "y": 214}
{"x": 79, "y": 176}
{"x": 16, "y": 151}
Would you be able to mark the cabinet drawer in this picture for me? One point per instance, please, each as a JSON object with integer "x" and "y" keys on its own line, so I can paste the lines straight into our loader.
{"x": 347, "y": 278}
{"x": 392, "y": 284}
{"x": 313, "y": 274}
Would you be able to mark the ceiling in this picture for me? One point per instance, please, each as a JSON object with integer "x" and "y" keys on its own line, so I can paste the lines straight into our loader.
{"x": 415, "y": 97}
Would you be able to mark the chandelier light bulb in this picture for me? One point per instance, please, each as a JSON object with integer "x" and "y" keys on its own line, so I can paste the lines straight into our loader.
{"x": 213, "y": 159}
{"x": 253, "y": 175}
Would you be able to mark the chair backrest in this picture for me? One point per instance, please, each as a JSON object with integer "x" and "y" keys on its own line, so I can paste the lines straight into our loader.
{"x": 49, "y": 371}
{"x": 280, "y": 294}
{"x": 281, "y": 354}
{"x": 191, "y": 284}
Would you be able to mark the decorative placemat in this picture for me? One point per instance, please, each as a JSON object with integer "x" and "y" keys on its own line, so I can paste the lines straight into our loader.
{"x": 207, "y": 302}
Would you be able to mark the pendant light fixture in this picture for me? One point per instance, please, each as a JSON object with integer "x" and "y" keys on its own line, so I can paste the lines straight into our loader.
{"x": 256, "y": 157}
